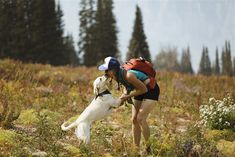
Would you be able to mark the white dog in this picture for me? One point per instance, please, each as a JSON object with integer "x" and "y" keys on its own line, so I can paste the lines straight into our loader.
{"x": 100, "y": 107}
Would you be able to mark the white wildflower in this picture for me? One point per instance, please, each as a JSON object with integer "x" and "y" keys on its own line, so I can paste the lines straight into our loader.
{"x": 211, "y": 100}
{"x": 220, "y": 105}
{"x": 220, "y": 120}
{"x": 211, "y": 107}
{"x": 227, "y": 123}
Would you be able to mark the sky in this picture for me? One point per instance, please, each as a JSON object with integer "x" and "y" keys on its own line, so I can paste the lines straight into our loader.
{"x": 169, "y": 23}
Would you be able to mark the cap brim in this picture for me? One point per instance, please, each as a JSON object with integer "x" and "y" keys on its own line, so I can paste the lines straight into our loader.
{"x": 102, "y": 68}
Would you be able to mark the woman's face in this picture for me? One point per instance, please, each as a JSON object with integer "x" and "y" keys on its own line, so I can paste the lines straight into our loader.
{"x": 110, "y": 74}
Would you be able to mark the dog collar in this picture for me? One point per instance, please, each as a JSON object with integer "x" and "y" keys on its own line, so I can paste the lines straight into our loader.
{"x": 102, "y": 93}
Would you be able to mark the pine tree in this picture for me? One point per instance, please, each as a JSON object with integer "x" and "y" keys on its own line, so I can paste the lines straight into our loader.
{"x": 24, "y": 30}
{"x": 138, "y": 46}
{"x": 202, "y": 62}
{"x": 226, "y": 60}
{"x": 99, "y": 33}
{"x": 109, "y": 31}
{"x": 223, "y": 57}
{"x": 86, "y": 32}
{"x": 34, "y": 31}
{"x": 205, "y": 64}
{"x": 8, "y": 21}
{"x": 70, "y": 50}
{"x": 229, "y": 59}
{"x": 217, "y": 67}
{"x": 186, "y": 66}
{"x": 59, "y": 43}
{"x": 208, "y": 70}
{"x": 47, "y": 33}
{"x": 3, "y": 31}
{"x": 105, "y": 31}
{"x": 2, "y": 7}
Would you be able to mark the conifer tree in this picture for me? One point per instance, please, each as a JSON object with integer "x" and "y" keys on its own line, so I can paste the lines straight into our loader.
{"x": 186, "y": 66}
{"x": 138, "y": 46}
{"x": 70, "y": 50}
{"x": 223, "y": 57}
{"x": 24, "y": 30}
{"x": 105, "y": 31}
{"x": 217, "y": 67}
{"x": 47, "y": 33}
{"x": 34, "y": 31}
{"x": 62, "y": 57}
{"x": 202, "y": 62}
{"x": 226, "y": 60}
{"x": 109, "y": 31}
{"x": 205, "y": 64}
{"x": 8, "y": 21}
{"x": 86, "y": 32}
{"x": 2, "y": 35}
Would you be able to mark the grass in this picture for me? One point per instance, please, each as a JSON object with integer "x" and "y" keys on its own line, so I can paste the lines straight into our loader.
{"x": 49, "y": 95}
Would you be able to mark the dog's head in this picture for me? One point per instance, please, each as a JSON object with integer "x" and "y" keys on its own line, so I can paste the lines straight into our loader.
{"x": 101, "y": 84}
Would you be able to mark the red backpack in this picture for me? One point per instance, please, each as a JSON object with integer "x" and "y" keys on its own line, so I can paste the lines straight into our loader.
{"x": 144, "y": 66}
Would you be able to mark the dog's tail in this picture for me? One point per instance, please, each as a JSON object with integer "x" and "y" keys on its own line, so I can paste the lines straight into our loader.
{"x": 72, "y": 125}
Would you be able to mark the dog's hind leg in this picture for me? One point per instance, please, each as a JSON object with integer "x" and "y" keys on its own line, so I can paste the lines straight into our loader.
{"x": 83, "y": 132}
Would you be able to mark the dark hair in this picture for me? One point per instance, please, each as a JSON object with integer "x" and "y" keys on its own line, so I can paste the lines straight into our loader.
{"x": 116, "y": 71}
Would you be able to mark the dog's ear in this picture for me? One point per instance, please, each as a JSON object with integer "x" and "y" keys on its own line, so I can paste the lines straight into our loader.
{"x": 96, "y": 90}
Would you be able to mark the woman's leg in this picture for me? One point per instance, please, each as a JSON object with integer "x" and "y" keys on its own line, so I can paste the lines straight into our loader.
{"x": 145, "y": 108}
{"x": 136, "y": 130}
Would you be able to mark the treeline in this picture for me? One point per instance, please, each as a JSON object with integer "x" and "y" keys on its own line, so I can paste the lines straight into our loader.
{"x": 167, "y": 59}
{"x": 98, "y": 33}
{"x": 32, "y": 31}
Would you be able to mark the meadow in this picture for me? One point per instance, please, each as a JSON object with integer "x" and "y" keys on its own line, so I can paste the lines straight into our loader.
{"x": 36, "y": 99}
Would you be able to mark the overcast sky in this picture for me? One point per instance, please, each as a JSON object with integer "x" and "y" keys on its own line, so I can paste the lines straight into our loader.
{"x": 178, "y": 23}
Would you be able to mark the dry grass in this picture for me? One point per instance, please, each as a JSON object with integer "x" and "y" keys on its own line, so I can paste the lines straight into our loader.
{"x": 64, "y": 92}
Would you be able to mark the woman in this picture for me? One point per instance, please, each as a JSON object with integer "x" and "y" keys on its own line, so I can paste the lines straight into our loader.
{"x": 144, "y": 98}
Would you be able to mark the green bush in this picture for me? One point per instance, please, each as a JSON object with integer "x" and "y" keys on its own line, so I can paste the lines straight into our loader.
{"x": 47, "y": 135}
{"x": 12, "y": 144}
{"x": 227, "y": 148}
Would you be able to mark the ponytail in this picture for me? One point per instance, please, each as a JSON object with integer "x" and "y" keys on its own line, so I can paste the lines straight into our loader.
{"x": 116, "y": 73}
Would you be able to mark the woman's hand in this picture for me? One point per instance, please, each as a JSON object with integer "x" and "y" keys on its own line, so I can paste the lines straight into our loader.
{"x": 124, "y": 97}
{"x": 127, "y": 98}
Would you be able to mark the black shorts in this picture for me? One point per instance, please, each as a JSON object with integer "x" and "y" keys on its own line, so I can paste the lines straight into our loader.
{"x": 152, "y": 94}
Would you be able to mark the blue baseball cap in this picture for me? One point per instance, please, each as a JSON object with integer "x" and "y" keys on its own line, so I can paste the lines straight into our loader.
{"x": 109, "y": 63}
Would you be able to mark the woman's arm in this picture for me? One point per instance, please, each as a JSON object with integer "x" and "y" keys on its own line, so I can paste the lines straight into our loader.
{"x": 140, "y": 87}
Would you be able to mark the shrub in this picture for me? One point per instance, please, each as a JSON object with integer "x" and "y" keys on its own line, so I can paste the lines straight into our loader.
{"x": 48, "y": 134}
{"x": 27, "y": 118}
{"x": 227, "y": 148}
{"x": 12, "y": 144}
{"x": 11, "y": 99}
{"x": 218, "y": 114}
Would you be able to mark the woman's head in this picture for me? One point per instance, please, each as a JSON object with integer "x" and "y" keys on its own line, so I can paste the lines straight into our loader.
{"x": 111, "y": 67}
